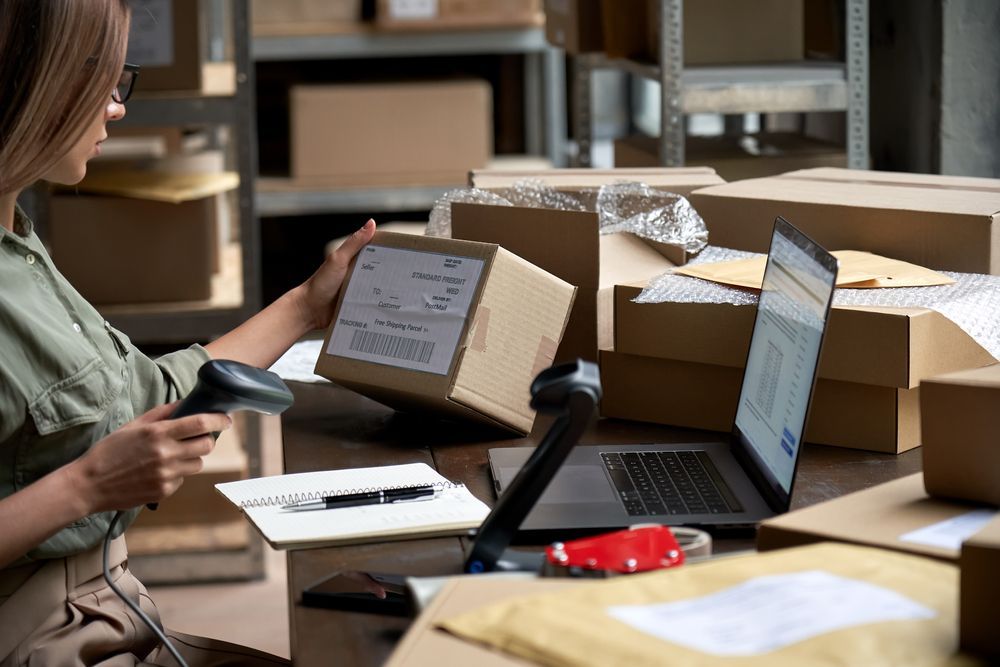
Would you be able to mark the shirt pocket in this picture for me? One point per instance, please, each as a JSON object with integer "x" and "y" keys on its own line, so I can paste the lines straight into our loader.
{"x": 81, "y": 398}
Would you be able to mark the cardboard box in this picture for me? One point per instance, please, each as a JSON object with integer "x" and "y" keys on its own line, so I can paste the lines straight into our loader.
{"x": 891, "y": 347}
{"x": 738, "y": 158}
{"x": 979, "y": 590}
{"x": 166, "y": 39}
{"x": 440, "y": 325}
{"x": 704, "y": 396}
{"x": 879, "y": 516}
{"x": 945, "y": 223}
{"x": 715, "y": 31}
{"x": 304, "y": 17}
{"x": 961, "y": 423}
{"x": 680, "y": 180}
{"x": 574, "y": 25}
{"x": 456, "y": 14}
{"x": 394, "y": 134}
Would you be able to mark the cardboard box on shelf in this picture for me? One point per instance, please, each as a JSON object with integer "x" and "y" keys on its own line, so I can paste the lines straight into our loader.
{"x": 738, "y": 158}
{"x": 715, "y": 31}
{"x": 166, "y": 39}
{"x": 574, "y": 25}
{"x": 945, "y": 223}
{"x": 568, "y": 243}
{"x": 305, "y": 17}
{"x": 892, "y": 347}
{"x": 704, "y": 396}
{"x": 960, "y": 423}
{"x": 456, "y": 14}
{"x": 887, "y": 516}
{"x": 394, "y": 134}
{"x": 979, "y": 590}
{"x": 447, "y": 326}
{"x": 125, "y": 244}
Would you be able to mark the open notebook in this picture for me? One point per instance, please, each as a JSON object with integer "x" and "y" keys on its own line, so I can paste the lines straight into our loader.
{"x": 454, "y": 512}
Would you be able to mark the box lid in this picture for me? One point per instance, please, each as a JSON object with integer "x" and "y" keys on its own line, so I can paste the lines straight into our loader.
{"x": 987, "y": 376}
{"x": 685, "y": 179}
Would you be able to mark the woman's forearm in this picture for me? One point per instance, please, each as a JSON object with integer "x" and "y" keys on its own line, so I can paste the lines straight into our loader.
{"x": 267, "y": 335}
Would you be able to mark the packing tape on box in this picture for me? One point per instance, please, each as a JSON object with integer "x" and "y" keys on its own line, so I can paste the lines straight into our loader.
{"x": 972, "y": 302}
{"x": 652, "y": 214}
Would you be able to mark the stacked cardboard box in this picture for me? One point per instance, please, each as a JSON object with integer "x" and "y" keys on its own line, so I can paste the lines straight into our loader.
{"x": 456, "y": 14}
{"x": 304, "y": 17}
{"x": 569, "y": 244}
{"x": 682, "y": 364}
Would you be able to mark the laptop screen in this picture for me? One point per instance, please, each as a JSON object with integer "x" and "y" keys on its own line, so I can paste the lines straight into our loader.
{"x": 784, "y": 353}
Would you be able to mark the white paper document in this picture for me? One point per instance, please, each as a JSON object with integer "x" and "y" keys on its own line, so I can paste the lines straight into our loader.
{"x": 299, "y": 362}
{"x": 950, "y": 533}
{"x": 770, "y": 612}
{"x": 405, "y": 308}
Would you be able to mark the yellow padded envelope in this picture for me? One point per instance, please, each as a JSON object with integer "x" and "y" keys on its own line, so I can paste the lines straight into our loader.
{"x": 857, "y": 270}
{"x": 574, "y": 628}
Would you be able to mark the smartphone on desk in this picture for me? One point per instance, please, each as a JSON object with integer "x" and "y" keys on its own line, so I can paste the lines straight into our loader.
{"x": 357, "y": 591}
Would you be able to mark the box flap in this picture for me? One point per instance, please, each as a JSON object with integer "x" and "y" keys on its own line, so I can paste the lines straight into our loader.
{"x": 899, "y": 178}
{"x": 987, "y": 376}
{"x": 888, "y": 195}
{"x": 172, "y": 188}
{"x": 626, "y": 258}
{"x": 564, "y": 243}
{"x": 499, "y": 362}
{"x": 683, "y": 178}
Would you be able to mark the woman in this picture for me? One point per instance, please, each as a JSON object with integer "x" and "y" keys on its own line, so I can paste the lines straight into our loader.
{"x": 84, "y": 426}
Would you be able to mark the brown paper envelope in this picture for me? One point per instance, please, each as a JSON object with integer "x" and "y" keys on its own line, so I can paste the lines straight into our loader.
{"x": 572, "y": 627}
{"x": 172, "y": 188}
{"x": 857, "y": 270}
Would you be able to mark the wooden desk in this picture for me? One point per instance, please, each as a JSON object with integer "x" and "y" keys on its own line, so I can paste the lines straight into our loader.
{"x": 329, "y": 427}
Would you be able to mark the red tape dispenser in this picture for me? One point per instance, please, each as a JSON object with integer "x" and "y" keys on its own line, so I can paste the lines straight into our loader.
{"x": 639, "y": 549}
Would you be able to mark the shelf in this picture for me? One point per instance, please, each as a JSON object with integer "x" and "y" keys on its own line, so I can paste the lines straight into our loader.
{"x": 278, "y": 196}
{"x": 784, "y": 87}
{"x": 377, "y": 44}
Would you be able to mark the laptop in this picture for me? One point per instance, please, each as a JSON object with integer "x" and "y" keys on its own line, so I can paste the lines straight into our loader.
{"x": 736, "y": 482}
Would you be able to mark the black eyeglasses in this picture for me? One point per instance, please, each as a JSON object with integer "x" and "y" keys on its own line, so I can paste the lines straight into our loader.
{"x": 123, "y": 90}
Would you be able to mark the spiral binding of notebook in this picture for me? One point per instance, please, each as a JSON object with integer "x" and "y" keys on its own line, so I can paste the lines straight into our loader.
{"x": 291, "y": 498}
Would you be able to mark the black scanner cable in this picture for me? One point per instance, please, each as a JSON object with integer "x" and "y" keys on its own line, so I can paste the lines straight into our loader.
{"x": 223, "y": 386}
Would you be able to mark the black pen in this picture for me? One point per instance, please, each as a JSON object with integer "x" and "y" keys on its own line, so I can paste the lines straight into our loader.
{"x": 365, "y": 498}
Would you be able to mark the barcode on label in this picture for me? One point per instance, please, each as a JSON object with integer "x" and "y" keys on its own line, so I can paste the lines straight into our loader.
{"x": 397, "y": 347}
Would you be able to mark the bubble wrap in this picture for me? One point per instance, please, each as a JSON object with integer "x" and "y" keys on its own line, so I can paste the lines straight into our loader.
{"x": 630, "y": 207}
{"x": 972, "y": 302}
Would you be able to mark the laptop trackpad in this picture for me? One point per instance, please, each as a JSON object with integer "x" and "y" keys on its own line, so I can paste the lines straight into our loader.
{"x": 572, "y": 484}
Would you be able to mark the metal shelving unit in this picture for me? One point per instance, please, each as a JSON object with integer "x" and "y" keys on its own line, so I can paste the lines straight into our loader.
{"x": 236, "y": 111}
{"x": 791, "y": 87}
{"x": 545, "y": 104}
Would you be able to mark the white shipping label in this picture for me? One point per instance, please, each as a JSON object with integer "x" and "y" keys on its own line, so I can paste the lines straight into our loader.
{"x": 405, "y": 308}
{"x": 151, "y": 33}
{"x": 950, "y": 533}
{"x": 771, "y": 612}
{"x": 413, "y": 9}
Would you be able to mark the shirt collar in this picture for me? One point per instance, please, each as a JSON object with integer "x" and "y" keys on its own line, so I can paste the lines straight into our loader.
{"x": 22, "y": 223}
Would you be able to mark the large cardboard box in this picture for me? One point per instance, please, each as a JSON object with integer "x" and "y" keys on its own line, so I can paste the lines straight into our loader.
{"x": 569, "y": 244}
{"x": 447, "y": 326}
{"x": 304, "y": 17}
{"x": 165, "y": 38}
{"x": 891, "y": 347}
{"x": 574, "y": 25}
{"x": 960, "y": 421}
{"x": 979, "y": 591}
{"x": 715, "y": 31}
{"x": 149, "y": 237}
{"x": 427, "y": 133}
{"x": 738, "y": 158}
{"x": 945, "y": 223}
{"x": 704, "y": 396}
{"x": 458, "y": 14}
{"x": 883, "y": 516}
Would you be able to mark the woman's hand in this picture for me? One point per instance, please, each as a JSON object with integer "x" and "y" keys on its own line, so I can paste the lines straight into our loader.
{"x": 318, "y": 295}
{"x": 145, "y": 460}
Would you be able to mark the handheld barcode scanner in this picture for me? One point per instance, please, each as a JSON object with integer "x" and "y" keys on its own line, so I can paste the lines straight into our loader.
{"x": 223, "y": 386}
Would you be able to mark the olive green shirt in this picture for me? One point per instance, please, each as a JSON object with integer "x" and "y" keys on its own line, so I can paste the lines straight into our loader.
{"x": 67, "y": 379}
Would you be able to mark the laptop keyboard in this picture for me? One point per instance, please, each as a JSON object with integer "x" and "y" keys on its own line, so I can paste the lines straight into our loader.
{"x": 668, "y": 483}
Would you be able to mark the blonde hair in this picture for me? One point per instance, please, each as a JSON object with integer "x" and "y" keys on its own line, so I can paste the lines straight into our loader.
{"x": 59, "y": 61}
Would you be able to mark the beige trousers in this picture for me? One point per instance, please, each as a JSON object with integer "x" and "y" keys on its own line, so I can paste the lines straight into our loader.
{"x": 62, "y": 613}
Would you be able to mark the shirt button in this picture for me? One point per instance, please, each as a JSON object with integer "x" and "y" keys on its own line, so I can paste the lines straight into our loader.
{"x": 76, "y": 327}
{"x": 30, "y": 259}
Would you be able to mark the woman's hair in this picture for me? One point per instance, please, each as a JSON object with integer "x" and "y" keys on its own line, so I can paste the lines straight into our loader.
{"x": 59, "y": 61}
